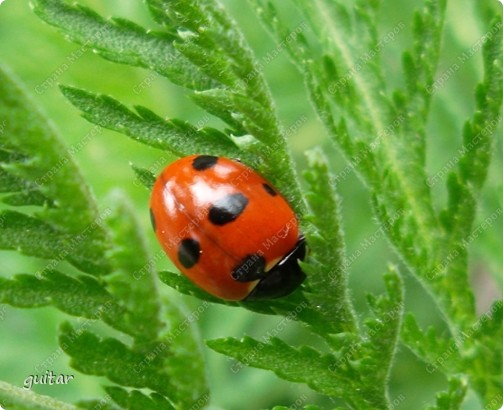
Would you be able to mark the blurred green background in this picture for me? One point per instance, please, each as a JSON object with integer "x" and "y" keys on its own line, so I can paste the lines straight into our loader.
{"x": 40, "y": 57}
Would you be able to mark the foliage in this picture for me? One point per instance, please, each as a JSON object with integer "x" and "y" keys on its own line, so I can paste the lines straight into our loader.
{"x": 382, "y": 132}
{"x": 116, "y": 284}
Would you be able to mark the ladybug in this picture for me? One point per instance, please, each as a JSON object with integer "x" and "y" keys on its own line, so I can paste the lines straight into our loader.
{"x": 227, "y": 228}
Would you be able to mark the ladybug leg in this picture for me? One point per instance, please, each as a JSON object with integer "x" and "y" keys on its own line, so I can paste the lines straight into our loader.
{"x": 249, "y": 269}
{"x": 284, "y": 278}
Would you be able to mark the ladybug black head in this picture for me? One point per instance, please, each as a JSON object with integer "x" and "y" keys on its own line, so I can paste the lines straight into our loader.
{"x": 284, "y": 278}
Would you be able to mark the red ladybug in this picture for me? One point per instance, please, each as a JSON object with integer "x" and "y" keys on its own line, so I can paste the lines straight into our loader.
{"x": 227, "y": 228}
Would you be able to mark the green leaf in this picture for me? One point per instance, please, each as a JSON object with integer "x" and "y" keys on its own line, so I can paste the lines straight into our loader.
{"x": 452, "y": 399}
{"x": 31, "y": 236}
{"x": 136, "y": 400}
{"x": 146, "y": 178}
{"x": 205, "y": 30}
{"x": 183, "y": 285}
{"x": 136, "y": 313}
{"x": 484, "y": 337}
{"x": 384, "y": 137}
{"x": 478, "y": 136}
{"x": 439, "y": 353}
{"x": 421, "y": 63}
{"x": 303, "y": 365}
{"x": 106, "y": 403}
{"x": 326, "y": 269}
{"x": 18, "y": 191}
{"x": 32, "y": 152}
{"x": 319, "y": 371}
{"x": 83, "y": 296}
{"x": 208, "y": 58}
{"x": 463, "y": 187}
{"x": 135, "y": 367}
{"x": 383, "y": 331}
{"x": 133, "y": 281}
{"x": 13, "y": 397}
{"x": 37, "y": 170}
{"x": 257, "y": 120}
{"x": 186, "y": 365}
{"x": 123, "y": 42}
{"x": 197, "y": 39}
{"x": 219, "y": 102}
{"x": 214, "y": 66}
{"x": 175, "y": 136}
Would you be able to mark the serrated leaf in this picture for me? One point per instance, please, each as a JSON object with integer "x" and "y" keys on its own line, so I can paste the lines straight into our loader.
{"x": 209, "y": 38}
{"x": 140, "y": 367}
{"x": 217, "y": 34}
{"x": 258, "y": 120}
{"x": 214, "y": 66}
{"x": 383, "y": 331}
{"x": 327, "y": 277}
{"x": 207, "y": 25}
{"x": 146, "y": 177}
{"x": 185, "y": 365}
{"x": 428, "y": 24}
{"x": 452, "y": 399}
{"x": 134, "y": 280}
{"x": 33, "y": 237}
{"x": 490, "y": 323}
{"x": 103, "y": 404}
{"x": 186, "y": 63}
{"x": 177, "y": 137}
{"x": 136, "y": 400}
{"x": 304, "y": 365}
{"x": 478, "y": 136}
{"x": 180, "y": 13}
{"x": 18, "y": 191}
{"x": 219, "y": 103}
{"x": 321, "y": 372}
{"x": 436, "y": 351}
{"x": 183, "y": 285}
{"x": 123, "y": 42}
{"x": 83, "y": 296}
{"x": 34, "y": 159}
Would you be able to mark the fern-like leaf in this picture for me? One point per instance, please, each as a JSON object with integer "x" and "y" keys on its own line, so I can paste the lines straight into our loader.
{"x": 326, "y": 269}
{"x": 66, "y": 225}
{"x": 136, "y": 400}
{"x": 452, "y": 399}
{"x": 123, "y": 42}
{"x": 126, "y": 300}
{"x": 178, "y": 137}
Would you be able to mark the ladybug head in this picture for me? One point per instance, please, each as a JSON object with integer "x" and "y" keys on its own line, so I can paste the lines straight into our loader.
{"x": 283, "y": 278}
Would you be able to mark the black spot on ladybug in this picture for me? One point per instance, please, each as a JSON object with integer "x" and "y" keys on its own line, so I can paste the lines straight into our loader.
{"x": 189, "y": 252}
{"x": 227, "y": 209}
{"x": 203, "y": 162}
{"x": 269, "y": 189}
{"x": 152, "y": 218}
{"x": 249, "y": 269}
